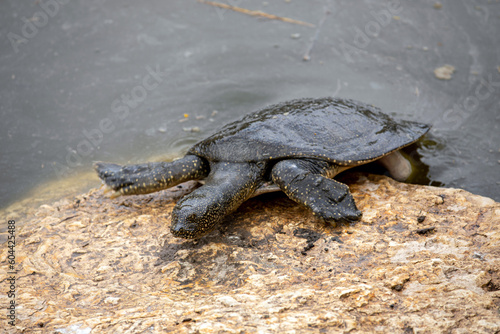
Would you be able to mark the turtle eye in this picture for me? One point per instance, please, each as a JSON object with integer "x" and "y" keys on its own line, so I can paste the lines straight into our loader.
{"x": 260, "y": 164}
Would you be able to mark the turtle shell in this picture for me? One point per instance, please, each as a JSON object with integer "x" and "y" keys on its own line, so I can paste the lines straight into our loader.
{"x": 341, "y": 131}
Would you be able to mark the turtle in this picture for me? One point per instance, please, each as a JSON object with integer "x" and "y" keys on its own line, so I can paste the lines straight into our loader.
{"x": 296, "y": 146}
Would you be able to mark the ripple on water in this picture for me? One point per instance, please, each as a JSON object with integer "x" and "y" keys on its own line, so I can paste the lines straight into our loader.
{"x": 182, "y": 144}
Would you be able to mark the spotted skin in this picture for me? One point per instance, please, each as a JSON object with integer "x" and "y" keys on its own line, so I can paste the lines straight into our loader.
{"x": 153, "y": 176}
{"x": 227, "y": 186}
{"x": 306, "y": 181}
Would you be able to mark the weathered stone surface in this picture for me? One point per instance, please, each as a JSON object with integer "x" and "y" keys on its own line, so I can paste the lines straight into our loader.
{"x": 422, "y": 260}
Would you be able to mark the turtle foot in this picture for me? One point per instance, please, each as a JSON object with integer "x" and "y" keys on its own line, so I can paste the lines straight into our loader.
{"x": 334, "y": 203}
{"x": 303, "y": 182}
{"x": 114, "y": 177}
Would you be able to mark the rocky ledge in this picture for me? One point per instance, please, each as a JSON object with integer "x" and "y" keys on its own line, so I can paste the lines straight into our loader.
{"x": 422, "y": 260}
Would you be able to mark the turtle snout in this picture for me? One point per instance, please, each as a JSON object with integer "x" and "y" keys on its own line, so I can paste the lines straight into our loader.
{"x": 184, "y": 224}
{"x": 198, "y": 213}
{"x": 190, "y": 222}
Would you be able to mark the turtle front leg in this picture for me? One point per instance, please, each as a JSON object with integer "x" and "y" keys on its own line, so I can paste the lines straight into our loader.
{"x": 306, "y": 182}
{"x": 150, "y": 177}
{"x": 226, "y": 188}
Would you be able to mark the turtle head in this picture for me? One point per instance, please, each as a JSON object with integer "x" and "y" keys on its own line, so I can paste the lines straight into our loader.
{"x": 227, "y": 186}
{"x": 191, "y": 219}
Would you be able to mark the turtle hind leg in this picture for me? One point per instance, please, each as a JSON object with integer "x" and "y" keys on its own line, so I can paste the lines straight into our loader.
{"x": 398, "y": 166}
{"x": 150, "y": 177}
{"x": 304, "y": 182}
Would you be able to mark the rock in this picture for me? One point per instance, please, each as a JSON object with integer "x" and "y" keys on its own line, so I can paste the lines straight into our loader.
{"x": 228, "y": 301}
{"x": 444, "y": 72}
{"x": 111, "y": 266}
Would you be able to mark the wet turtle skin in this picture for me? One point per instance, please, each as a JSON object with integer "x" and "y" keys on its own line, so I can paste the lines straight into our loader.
{"x": 299, "y": 145}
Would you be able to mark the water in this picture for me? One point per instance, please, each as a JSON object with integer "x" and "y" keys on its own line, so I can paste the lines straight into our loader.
{"x": 115, "y": 80}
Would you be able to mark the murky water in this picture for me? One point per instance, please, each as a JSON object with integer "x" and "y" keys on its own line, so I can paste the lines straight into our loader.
{"x": 125, "y": 81}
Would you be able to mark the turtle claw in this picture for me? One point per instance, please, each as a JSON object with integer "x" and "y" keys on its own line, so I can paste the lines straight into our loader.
{"x": 338, "y": 214}
{"x": 115, "y": 194}
{"x": 106, "y": 189}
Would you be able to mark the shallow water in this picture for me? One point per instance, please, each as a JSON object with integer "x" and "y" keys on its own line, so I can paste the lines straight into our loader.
{"x": 125, "y": 82}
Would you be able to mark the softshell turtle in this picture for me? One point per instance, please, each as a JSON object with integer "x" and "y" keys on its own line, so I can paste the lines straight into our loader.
{"x": 299, "y": 145}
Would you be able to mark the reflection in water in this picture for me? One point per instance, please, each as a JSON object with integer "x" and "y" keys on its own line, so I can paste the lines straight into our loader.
{"x": 183, "y": 144}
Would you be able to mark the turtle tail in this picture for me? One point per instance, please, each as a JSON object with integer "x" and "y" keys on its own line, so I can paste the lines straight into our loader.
{"x": 150, "y": 177}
